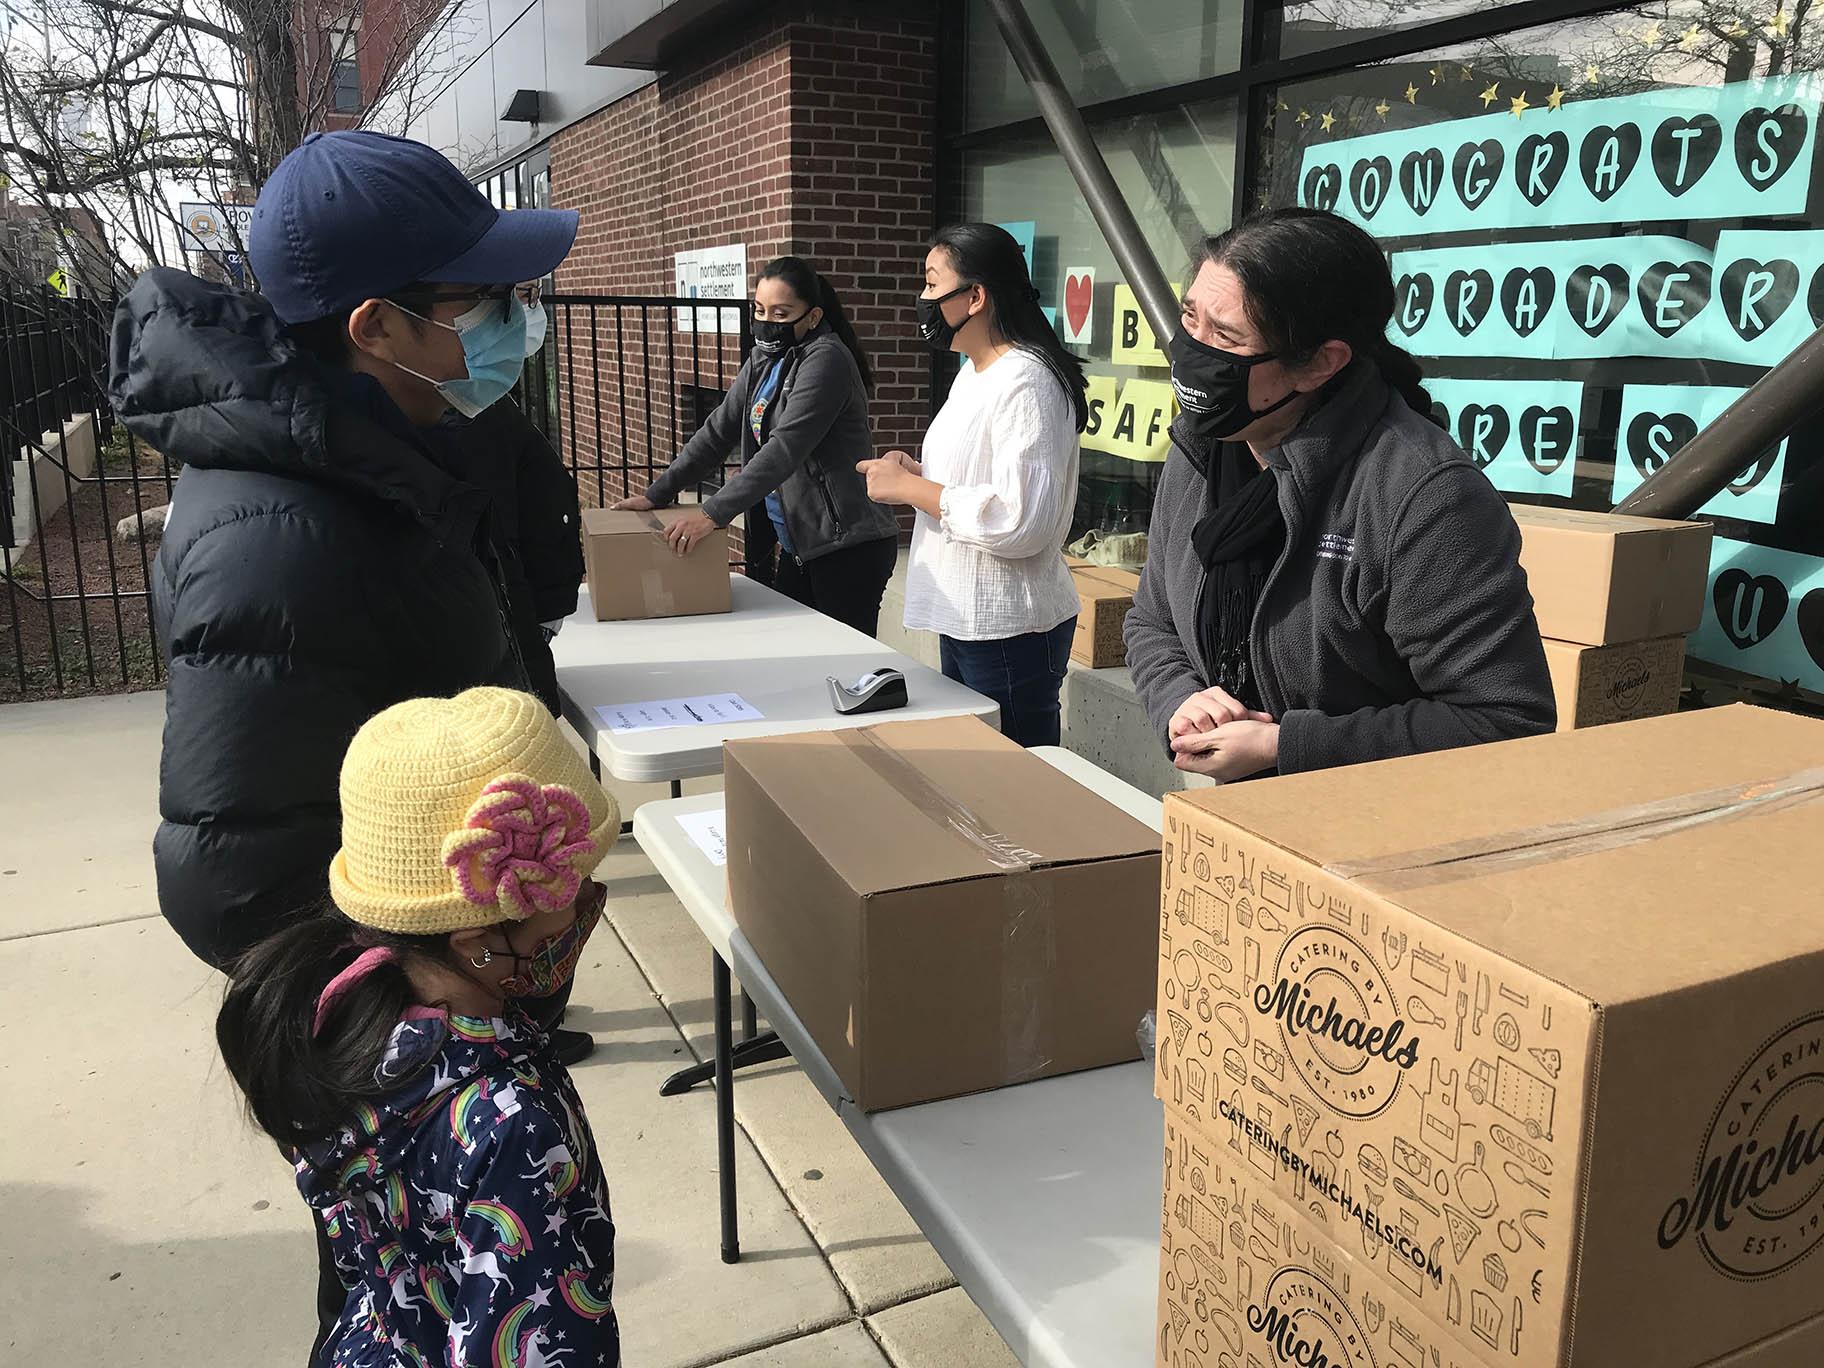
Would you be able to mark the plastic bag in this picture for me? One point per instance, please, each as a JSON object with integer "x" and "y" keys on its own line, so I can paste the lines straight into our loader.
{"x": 1147, "y": 1033}
{"x": 1123, "y": 550}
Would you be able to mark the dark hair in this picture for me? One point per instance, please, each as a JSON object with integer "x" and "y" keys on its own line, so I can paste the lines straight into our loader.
{"x": 989, "y": 256}
{"x": 301, "y": 1086}
{"x": 326, "y": 339}
{"x": 1309, "y": 276}
{"x": 817, "y": 292}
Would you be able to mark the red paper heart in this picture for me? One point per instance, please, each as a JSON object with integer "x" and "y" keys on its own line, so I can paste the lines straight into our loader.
{"x": 1079, "y": 291}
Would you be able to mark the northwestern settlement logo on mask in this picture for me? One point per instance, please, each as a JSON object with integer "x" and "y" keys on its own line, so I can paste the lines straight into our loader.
{"x": 1756, "y": 1206}
{"x": 1303, "y": 1321}
{"x": 1339, "y": 1020}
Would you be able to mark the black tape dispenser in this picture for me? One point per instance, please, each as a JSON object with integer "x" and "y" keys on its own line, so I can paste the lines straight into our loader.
{"x": 877, "y": 691}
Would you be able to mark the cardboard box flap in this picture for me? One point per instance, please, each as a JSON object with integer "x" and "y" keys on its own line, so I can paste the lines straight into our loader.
{"x": 1584, "y": 520}
{"x": 949, "y": 798}
{"x": 1582, "y": 811}
{"x": 625, "y": 521}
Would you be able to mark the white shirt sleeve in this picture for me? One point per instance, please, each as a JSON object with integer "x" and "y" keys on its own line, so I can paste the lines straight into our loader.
{"x": 1016, "y": 513}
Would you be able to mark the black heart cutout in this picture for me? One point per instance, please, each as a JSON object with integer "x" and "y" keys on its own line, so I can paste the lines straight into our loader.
{"x": 1482, "y": 431}
{"x": 1753, "y": 473}
{"x": 1655, "y": 438}
{"x": 1539, "y": 165}
{"x": 1475, "y": 176}
{"x": 1671, "y": 294}
{"x": 1412, "y": 298}
{"x": 1322, "y": 185}
{"x": 1814, "y": 298}
{"x": 1369, "y": 183}
{"x": 1607, "y": 158}
{"x": 1767, "y": 142}
{"x": 1467, "y": 295}
{"x": 1756, "y": 293}
{"x": 1811, "y": 625}
{"x": 1595, "y": 295}
{"x": 1683, "y": 150}
{"x": 1440, "y": 415}
{"x": 1749, "y": 608}
{"x": 1546, "y": 435}
{"x": 1421, "y": 177}
{"x": 1526, "y": 298}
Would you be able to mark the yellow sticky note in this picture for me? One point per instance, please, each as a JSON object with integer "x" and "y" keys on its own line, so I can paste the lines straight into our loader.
{"x": 1101, "y": 395}
{"x": 1133, "y": 343}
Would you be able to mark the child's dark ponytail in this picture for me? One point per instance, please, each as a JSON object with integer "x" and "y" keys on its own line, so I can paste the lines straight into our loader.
{"x": 299, "y": 1085}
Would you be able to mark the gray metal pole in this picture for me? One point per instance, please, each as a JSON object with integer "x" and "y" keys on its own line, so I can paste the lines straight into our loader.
{"x": 1781, "y": 399}
{"x": 1158, "y": 301}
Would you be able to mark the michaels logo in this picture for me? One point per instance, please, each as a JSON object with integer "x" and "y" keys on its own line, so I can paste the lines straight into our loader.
{"x": 1275, "y": 1326}
{"x": 1339, "y": 1021}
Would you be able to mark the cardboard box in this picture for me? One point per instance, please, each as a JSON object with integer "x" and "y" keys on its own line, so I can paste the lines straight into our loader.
{"x": 1595, "y": 685}
{"x": 946, "y": 912}
{"x": 1553, "y": 1001}
{"x": 634, "y": 573}
{"x": 1598, "y": 578}
{"x": 1246, "y": 1278}
{"x": 1105, "y": 595}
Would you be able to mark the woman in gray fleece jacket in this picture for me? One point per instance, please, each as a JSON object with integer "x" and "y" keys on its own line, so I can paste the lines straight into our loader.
{"x": 1329, "y": 580}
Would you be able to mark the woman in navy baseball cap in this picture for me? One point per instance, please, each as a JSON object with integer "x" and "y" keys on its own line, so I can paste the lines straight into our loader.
{"x": 325, "y": 557}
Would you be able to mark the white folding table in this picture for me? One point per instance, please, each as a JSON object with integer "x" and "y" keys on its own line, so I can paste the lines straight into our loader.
{"x": 1043, "y": 1198}
{"x": 774, "y": 652}
{"x": 779, "y": 656}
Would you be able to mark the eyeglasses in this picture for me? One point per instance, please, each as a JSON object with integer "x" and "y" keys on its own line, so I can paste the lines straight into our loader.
{"x": 528, "y": 293}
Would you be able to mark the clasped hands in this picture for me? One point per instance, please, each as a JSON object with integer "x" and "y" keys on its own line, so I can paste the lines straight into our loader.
{"x": 1213, "y": 733}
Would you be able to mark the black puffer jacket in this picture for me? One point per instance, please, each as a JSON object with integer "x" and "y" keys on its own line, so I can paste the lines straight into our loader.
{"x": 317, "y": 567}
{"x": 536, "y": 525}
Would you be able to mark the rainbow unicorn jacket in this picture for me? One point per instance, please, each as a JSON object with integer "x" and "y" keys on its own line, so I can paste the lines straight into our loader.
{"x": 468, "y": 1212}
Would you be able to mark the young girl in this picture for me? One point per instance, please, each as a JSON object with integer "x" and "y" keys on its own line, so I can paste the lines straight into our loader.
{"x": 381, "y": 1043}
{"x": 997, "y": 484}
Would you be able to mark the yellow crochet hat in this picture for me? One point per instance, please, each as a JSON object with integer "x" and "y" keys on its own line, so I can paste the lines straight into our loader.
{"x": 465, "y": 811}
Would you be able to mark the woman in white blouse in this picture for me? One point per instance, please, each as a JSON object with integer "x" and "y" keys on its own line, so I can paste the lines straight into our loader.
{"x": 997, "y": 485}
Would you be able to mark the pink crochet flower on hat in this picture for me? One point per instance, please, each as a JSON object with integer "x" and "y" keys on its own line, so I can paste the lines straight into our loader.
{"x": 519, "y": 846}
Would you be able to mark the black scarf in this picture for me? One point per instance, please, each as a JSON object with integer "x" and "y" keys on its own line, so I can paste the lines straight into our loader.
{"x": 1238, "y": 538}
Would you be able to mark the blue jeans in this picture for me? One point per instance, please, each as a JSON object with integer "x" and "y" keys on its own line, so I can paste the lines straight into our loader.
{"x": 1023, "y": 674}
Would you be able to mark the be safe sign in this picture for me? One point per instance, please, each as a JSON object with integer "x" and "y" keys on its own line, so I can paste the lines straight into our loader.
{"x": 1742, "y": 150}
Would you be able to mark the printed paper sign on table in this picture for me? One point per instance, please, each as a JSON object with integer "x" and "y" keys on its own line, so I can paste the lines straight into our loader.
{"x": 708, "y": 832}
{"x": 707, "y": 710}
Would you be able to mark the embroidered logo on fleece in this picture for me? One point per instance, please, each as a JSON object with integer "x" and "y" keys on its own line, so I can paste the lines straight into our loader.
{"x": 1335, "y": 546}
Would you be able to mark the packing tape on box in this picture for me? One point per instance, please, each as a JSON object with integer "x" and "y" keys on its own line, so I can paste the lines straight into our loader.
{"x": 1029, "y": 941}
{"x": 1483, "y": 855}
{"x": 659, "y": 601}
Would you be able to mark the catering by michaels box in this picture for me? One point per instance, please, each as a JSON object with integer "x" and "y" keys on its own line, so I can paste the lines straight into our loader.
{"x": 1247, "y": 1278}
{"x": 1552, "y": 1011}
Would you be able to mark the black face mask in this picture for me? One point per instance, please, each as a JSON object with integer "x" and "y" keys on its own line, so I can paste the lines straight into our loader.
{"x": 773, "y": 338}
{"x": 937, "y": 331}
{"x": 1212, "y": 388}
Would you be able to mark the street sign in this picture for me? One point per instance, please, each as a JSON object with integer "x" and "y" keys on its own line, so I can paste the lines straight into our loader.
{"x": 59, "y": 282}
{"x": 215, "y": 227}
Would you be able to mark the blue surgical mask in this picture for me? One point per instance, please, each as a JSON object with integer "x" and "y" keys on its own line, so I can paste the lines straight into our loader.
{"x": 494, "y": 352}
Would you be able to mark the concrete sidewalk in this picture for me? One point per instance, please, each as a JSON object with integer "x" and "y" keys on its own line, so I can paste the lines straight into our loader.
{"x": 142, "y": 1219}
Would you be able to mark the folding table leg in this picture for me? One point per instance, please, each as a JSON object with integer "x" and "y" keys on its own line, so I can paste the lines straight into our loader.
{"x": 725, "y": 1110}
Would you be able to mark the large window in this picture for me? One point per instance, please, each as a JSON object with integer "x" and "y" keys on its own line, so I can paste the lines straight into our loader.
{"x": 345, "y": 68}
{"x": 1601, "y": 228}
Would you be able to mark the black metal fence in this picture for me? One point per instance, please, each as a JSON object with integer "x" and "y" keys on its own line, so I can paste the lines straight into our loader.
{"x": 621, "y": 384}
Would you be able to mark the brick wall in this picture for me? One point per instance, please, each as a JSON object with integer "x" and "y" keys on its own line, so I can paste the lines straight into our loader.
{"x": 810, "y": 131}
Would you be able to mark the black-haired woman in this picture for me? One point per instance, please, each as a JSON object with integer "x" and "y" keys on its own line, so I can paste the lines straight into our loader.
{"x": 996, "y": 483}
{"x": 1329, "y": 580}
{"x": 797, "y": 410}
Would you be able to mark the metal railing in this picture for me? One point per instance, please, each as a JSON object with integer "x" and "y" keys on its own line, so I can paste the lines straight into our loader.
{"x": 617, "y": 390}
